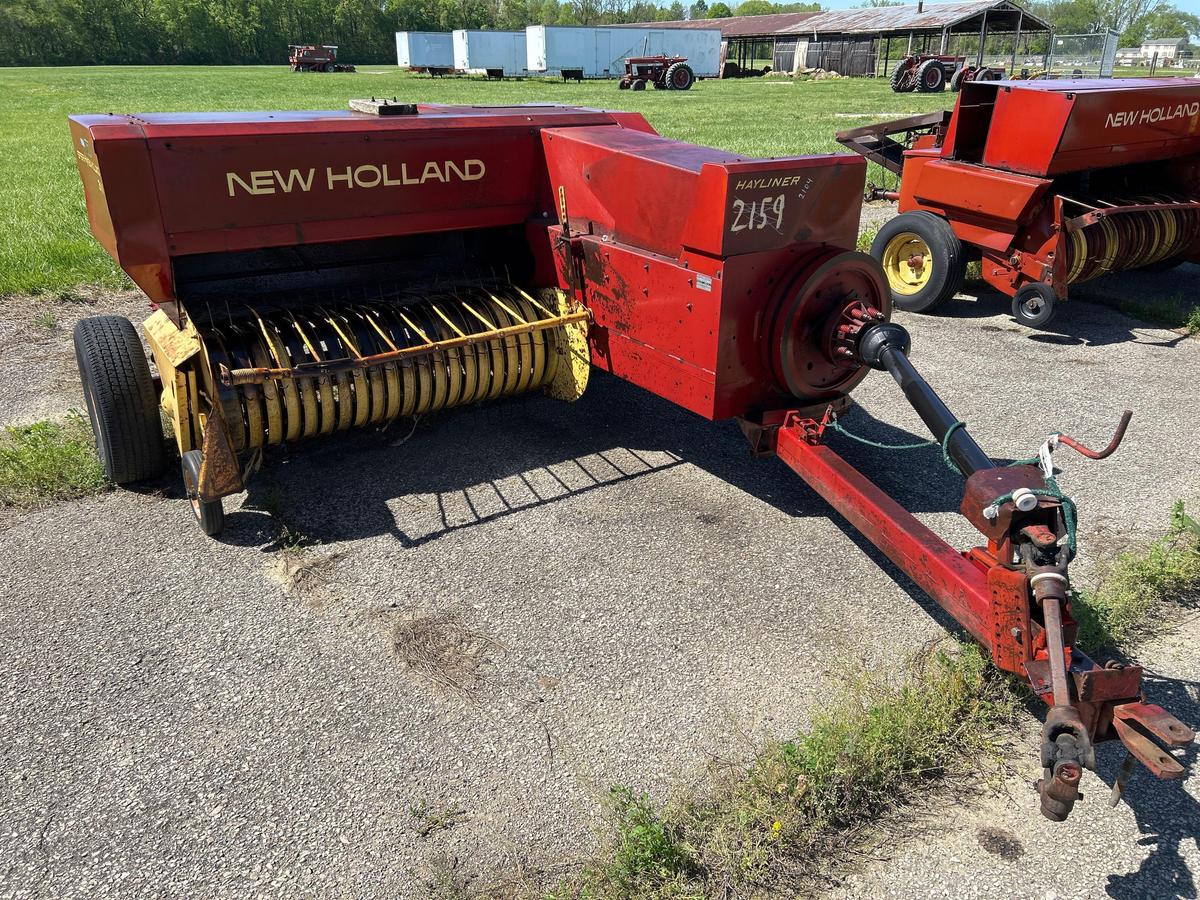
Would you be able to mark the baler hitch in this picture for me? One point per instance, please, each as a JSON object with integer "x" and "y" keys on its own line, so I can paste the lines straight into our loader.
{"x": 1012, "y": 595}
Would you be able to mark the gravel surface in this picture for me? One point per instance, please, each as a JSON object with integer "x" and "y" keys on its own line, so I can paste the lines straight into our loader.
{"x": 508, "y": 608}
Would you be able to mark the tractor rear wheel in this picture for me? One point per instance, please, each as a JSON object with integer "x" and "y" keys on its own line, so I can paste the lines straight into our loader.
{"x": 680, "y": 76}
{"x": 901, "y": 82}
{"x": 957, "y": 79}
{"x": 121, "y": 401}
{"x": 210, "y": 514}
{"x": 931, "y": 77}
{"x": 922, "y": 258}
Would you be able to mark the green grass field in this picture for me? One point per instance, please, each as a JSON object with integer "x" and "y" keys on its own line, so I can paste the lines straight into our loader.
{"x": 47, "y": 245}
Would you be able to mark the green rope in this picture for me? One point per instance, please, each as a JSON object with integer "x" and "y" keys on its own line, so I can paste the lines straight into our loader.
{"x": 837, "y": 426}
{"x": 1051, "y": 490}
{"x": 1068, "y": 507}
{"x": 920, "y": 445}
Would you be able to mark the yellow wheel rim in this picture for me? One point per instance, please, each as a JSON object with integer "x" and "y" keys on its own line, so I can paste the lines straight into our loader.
{"x": 907, "y": 263}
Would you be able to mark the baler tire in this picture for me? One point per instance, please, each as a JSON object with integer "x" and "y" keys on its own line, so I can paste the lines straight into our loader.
{"x": 1034, "y": 305}
{"x": 672, "y": 76}
{"x": 946, "y": 259}
{"x": 121, "y": 400}
{"x": 937, "y": 84}
{"x": 210, "y": 514}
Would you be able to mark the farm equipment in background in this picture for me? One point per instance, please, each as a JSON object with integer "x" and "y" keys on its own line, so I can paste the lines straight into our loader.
{"x": 313, "y": 273}
{"x": 931, "y": 73}
{"x": 315, "y": 58}
{"x": 670, "y": 73}
{"x": 1048, "y": 183}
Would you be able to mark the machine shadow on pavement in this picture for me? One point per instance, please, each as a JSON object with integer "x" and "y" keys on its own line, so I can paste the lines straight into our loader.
{"x": 1167, "y": 819}
{"x": 1088, "y": 320}
{"x": 469, "y": 466}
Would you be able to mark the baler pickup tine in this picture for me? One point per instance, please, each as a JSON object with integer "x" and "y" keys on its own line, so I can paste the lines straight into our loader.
{"x": 504, "y": 306}
{"x": 441, "y": 315}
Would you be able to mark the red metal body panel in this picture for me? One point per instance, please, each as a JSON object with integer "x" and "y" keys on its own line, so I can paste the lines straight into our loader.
{"x": 176, "y": 184}
{"x": 1049, "y": 128}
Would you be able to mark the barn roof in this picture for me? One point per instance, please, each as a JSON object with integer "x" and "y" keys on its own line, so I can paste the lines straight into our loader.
{"x": 963, "y": 16}
{"x": 740, "y": 26}
{"x": 966, "y": 15}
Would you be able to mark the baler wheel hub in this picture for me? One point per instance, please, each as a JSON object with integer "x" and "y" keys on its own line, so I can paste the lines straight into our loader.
{"x": 908, "y": 263}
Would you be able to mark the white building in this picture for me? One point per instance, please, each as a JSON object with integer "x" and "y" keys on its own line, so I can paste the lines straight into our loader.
{"x": 1166, "y": 48}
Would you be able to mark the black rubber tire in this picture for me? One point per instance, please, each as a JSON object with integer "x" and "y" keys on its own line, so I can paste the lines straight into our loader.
{"x": 622, "y": 85}
{"x": 947, "y": 259}
{"x": 992, "y": 75}
{"x": 679, "y": 77}
{"x": 638, "y": 85}
{"x": 1034, "y": 305}
{"x": 899, "y": 76}
{"x": 210, "y": 514}
{"x": 121, "y": 401}
{"x": 328, "y": 67}
{"x": 957, "y": 79}
{"x": 931, "y": 77}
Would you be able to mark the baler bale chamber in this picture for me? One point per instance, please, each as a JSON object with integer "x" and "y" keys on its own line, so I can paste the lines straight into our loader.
{"x": 316, "y": 272}
{"x": 1049, "y": 184}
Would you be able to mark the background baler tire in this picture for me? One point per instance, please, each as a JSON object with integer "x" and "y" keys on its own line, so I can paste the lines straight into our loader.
{"x": 121, "y": 400}
{"x": 947, "y": 261}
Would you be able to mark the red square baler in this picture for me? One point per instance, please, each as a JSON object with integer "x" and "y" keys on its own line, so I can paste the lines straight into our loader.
{"x": 314, "y": 272}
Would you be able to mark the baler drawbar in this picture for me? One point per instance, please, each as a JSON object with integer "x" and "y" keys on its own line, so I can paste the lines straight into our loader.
{"x": 314, "y": 272}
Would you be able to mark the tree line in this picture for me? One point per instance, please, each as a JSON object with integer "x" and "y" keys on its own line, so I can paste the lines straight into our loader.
{"x": 213, "y": 32}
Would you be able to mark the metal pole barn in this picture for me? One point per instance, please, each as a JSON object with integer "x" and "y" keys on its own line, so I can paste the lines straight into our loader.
{"x": 1012, "y": 66}
{"x": 982, "y": 41}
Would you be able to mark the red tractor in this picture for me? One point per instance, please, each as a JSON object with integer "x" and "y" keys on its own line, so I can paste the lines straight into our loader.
{"x": 668, "y": 73}
{"x": 315, "y": 58}
{"x": 930, "y": 74}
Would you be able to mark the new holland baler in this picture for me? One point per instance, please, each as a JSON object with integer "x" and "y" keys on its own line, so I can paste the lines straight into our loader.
{"x": 321, "y": 271}
{"x": 1048, "y": 184}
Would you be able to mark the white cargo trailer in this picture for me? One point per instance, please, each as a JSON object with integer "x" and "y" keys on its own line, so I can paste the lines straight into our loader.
{"x": 425, "y": 50}
{"x": 490, "y": 51}
{"x": 601, "y": 52}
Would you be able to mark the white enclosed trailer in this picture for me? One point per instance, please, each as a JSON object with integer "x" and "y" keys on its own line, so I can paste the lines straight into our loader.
{"x": 601, "y": 52}
{"x": 490, "y": 51}
{"x": 425, "y": 50}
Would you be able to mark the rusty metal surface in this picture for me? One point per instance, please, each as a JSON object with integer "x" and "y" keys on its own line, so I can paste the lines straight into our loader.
{"x": 962, "y": 16}
{"x": 220, "y": 474}
{"x": 1160, "y": 763}
{"x": 740, "y": 26}
{"x": 1157, "y": 721}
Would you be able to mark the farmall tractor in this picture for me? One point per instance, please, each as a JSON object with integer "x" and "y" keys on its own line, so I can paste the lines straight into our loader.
{"x": 930, "y": 74}
{"x": 318, "y": 272}
{"x": 668, "y": 73}
{"x": 315, "y": 58}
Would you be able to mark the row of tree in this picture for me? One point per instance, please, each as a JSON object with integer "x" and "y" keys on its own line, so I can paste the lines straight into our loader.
{"x": 147, "y": 32}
